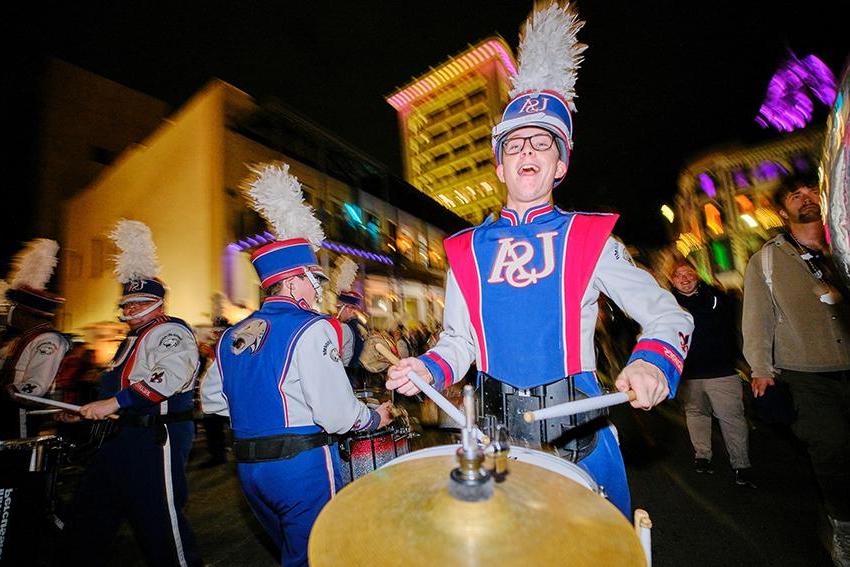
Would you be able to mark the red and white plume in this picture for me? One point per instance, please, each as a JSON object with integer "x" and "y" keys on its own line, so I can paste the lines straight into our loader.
{"x": 33, "y": 266}
{"x": 136, "y": 259}
{"x": 549, "y": 51}
{"x": 277, "y": 195}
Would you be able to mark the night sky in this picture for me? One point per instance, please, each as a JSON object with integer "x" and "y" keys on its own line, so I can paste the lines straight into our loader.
{"x": 661, "y": 82}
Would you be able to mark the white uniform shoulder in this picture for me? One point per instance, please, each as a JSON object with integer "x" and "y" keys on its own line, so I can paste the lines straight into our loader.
{"x": 170, "y": 337}
{"x": 320, "y": 333}
{"x": 48, "y": 343}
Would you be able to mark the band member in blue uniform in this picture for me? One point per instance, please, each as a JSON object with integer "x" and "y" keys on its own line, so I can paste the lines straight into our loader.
{"x": 139, "y": 473}
{"x": 279, "y": 376}
{"x": 31, "y": 349}
{"x": 522, "y": 288}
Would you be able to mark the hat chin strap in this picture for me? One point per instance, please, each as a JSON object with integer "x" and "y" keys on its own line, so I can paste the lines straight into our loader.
{"x": 143, "y": 313}
{"x": 316, "y": 285}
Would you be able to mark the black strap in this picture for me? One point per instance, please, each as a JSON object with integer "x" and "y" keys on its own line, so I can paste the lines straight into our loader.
{"x": 278, "y": 447}
{"x": 152, "y": 420}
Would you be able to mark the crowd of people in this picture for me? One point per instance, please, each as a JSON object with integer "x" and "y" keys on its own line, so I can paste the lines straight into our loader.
{"x": 523, "y": 295}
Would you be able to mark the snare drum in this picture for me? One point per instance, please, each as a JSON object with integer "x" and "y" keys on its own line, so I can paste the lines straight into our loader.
{"x": 361, "y": 453}
{"x": 534, "y": 457}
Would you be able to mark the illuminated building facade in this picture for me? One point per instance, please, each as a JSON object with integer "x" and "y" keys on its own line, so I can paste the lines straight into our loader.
{"x": 185, "y": 181}
{"x": 445, "y": 118}
{"x": 723, "y": 211}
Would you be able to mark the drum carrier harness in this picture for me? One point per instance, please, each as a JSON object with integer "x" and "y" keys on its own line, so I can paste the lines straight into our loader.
{"x": 574, "y": 436}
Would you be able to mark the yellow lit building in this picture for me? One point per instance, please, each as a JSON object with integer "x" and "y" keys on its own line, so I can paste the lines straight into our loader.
{"x": 184, "y": 182}
{"x": 445, "y": 117}
{"x": 723, "y": 210}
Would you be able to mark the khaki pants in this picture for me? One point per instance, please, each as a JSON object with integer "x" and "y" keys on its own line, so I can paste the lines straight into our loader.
{"x": 723, "y": 398}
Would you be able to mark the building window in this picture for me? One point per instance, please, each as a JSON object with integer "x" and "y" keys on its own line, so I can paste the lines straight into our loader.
{"x": 98, "y": 257}
{"x": 422, "y": 257}
{"x": 713, "y": 219}
{"x": 392, "y": 234}
{"x": 73, "y": 265}
{"x": 101, "y": 155}
{"x": 404, "y": 242}
{"x": 477, "y": 96}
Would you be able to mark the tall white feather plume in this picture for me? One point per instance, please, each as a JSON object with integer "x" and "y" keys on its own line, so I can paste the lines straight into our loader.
{"x": 34, "y": 265}
{"x": 137, "y": 257}
{"x": 276, "y": 194}
{"x": 345, "y": 272}
{"x": 549, "y": 51}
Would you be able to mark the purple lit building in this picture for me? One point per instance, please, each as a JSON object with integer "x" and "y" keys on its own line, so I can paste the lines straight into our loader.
{"x": 723, "y": 209}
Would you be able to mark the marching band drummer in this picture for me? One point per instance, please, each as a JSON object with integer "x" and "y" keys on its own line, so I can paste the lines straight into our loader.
{"x": 279, "y": 376}
{"x": 522, "y": 288}
{"x": 350, "y": 314}
{"x": 31, "y": 349}
{"x": 139, "y": 473}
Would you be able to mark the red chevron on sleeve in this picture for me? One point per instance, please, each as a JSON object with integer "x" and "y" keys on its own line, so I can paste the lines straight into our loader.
{"x": 146, "y": 392}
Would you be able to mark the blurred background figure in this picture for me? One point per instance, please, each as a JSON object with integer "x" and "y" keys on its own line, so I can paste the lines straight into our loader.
{"x": 710, "y": 382}
{"x": 796, "y": 328}
{"x": 215, "y": 426}
{"x": 76, "y": 381}
{"x": 31, "y": 349}
{"x": 402, "y": 343}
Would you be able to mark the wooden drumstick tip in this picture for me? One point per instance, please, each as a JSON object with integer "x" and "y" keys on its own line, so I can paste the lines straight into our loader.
{"x": 387, "y": 353}
{"x": 642, "y": 519}
{"x": 528, "y": 416}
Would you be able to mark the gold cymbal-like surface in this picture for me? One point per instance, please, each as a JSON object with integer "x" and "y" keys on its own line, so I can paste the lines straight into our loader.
{"x": 404, "y": 515}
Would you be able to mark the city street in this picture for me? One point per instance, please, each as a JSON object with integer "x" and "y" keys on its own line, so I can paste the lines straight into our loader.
{"x": 697, "y": 519}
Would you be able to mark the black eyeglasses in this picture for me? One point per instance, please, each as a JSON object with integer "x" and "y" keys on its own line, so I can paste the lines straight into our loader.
{"x": 539, "y": 142}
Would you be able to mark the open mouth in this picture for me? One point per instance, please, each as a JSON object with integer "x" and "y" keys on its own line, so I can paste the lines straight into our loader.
{"x": 528, "y": 169}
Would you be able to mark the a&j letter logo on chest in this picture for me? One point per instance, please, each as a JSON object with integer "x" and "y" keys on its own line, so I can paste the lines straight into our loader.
{"x": 514, "y": 256}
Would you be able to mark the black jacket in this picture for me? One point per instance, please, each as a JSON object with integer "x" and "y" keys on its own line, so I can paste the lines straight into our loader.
{"x": 714, "y": 347}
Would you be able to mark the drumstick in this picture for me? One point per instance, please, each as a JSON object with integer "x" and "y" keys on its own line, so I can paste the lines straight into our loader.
{"x": 643, "y": 525}
{"x": 432, "y": 393}
{"x": 580, "y": 406}
{"x": 55, "y": 403}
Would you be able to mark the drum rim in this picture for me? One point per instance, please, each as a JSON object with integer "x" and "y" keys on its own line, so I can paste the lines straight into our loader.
{"x": 592, "y": 485}
{"x": 29, "y": 442}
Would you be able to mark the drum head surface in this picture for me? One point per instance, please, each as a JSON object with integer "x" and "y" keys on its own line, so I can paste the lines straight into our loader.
{"x": 535, "y": 517}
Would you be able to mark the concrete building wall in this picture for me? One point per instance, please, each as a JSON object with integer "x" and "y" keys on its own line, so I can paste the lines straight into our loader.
{"x": 86, "y": 121}
{"x": 173, "y": 181}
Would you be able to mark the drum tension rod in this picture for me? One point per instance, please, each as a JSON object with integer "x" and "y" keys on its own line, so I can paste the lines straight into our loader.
{"x": 470, "y": 481}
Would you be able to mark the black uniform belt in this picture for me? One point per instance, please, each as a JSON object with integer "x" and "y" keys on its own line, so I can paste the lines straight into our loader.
{"x": 278, "y": 447}
{"x": 152, "y": 420}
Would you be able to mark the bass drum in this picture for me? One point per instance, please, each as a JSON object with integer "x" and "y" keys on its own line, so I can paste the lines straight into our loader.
{"x": 28, "y": 472}
{"x": 534, "y": 457}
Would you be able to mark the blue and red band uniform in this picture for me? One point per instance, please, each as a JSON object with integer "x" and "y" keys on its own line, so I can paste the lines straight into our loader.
{"x": 278, "y": 374}
{"x": 139, "y": 472}
{"x": 521, "y": 302}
